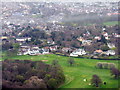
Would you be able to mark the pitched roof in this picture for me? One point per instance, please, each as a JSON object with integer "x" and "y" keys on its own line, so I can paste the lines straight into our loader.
{"x": 99, "y": 51}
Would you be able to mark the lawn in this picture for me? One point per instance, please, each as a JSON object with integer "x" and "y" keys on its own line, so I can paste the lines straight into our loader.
{"x": 83, "y": 69}
{"x": 111, "y": 23}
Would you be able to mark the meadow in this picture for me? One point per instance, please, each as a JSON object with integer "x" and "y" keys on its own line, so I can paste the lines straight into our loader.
{"x": 83, "y": 69}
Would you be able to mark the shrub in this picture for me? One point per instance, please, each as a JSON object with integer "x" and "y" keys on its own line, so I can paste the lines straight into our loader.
{"x": 55, "y": 62}
{"x": 20, "y": 78}
{"x": 99, "y": 65}
{"x": 115, "y": 72}
{"x": 71, "y": 61}
{"x": 105, "y": 65}
{"x": 96, "y": 81}
{"x": 111, "y": 65}
{"x": 52, "y": 83}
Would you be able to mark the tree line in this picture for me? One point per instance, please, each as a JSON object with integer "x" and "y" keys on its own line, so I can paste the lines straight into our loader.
{"x": 31, "y": 74}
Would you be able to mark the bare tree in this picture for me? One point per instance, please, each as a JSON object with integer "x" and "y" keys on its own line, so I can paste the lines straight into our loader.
{"x": 71, "y": 61}
{"x": 96, "y": 81}
{"x": 115, "y": 72}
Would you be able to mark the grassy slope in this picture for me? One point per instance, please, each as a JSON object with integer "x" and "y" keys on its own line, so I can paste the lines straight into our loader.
{"x": 84, "y": 68}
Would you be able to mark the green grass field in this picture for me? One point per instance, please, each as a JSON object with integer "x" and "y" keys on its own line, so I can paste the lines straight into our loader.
{"x": 83, "y": 69}
{"x": 111, "y": 23}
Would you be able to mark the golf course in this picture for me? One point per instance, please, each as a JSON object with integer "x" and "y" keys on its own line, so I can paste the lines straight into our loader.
{"x": 82, "y": 69}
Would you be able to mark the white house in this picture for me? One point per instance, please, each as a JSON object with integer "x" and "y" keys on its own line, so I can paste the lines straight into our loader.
{"x": 105, "y": 34}
{"x": 23, "y": 39}
{"x": 103, "y": 29}
{"x": 97, "y": 37}
{"x": 50, "y": 42}
{"x": 110, "y": 52}
{"x": 78, "y": 52}
{"x": 111, "y": 45}
{"x": 45, "y": 51}
{"x": 3, "y": 37}
{"x": 28, "y": 50}
{"x": 117, "y": 35}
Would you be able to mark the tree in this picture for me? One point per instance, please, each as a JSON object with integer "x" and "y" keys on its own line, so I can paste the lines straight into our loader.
{"x": 55, "y": 62}
{"x": 23, "y": 68}
{"x": 16, "y": 46}
{"x": 12, "y": 52}
{"x": 104, "y": 47}
{"x": 115, "y": 72}
{"x": 103, "y": 39}
{"x": 7, "y": 46}
{"x": 99, "y": 65}
{"x": 52, "y": 83}
{"x": 35, "y": 82}
{"x": 71, "y": 61}
{"x": 96, "y": 81}
{"x": 26, "y": 74}
{"x": 20, "y": 78}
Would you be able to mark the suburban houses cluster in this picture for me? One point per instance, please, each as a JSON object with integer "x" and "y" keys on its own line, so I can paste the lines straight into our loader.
{"x": 45, "y": 28}
{"x": 35, "y": 50}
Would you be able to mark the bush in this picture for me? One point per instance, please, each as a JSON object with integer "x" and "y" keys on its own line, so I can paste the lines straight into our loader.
{"x": 96, "y": 81}
{"x": 20, "y": 78}
{"x": 55, "y": 62}
{"x": 105, "y": 65}
{"x": 99, "y": 65}
{"x": 71, "y": 61}
{"x": 111, "y": 65}
{"x": 115, "y": 72}
{"x": 52, "y": 83}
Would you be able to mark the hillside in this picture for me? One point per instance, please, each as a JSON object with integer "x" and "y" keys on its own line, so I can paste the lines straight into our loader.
{"x": 83, "y": 69}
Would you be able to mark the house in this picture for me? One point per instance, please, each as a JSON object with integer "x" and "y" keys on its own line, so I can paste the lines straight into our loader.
{"x": 28, "y": 50}
{"x": 65, "y": 49}
{"x": 87, "y": 33}
{"x": 105, "y": 34}
{"x": 110, "y": 52}
{"x": 103, "y": 29}
{"x": 111, "y": 45}
{"x": 53, "y": 48}
{"x": 50, "y": 42}
{"x": 20, "y": 52}
{"x": 23, "y": 50}
{"x": 3, "y": 38}
{"x": 97, "y": 38}
{"x": 20, "y": 39}
{"x": 34, "y": 50}
{"x": 98, "y": 51}
{"x": 45, "y": 50}
{"x": 117, "y": 35}
{"x": 80, "y": 38}
{"x": 23, "y": 39}
{"x": 78, "y": 52}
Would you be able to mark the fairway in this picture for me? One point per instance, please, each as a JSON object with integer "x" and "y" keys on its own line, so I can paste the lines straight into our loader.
{"x": 83, "y": 69}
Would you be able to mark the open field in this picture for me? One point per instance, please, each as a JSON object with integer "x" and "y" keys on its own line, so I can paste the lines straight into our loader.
{"x": 112, "y": 23}
{"x": 83, "y": 69}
